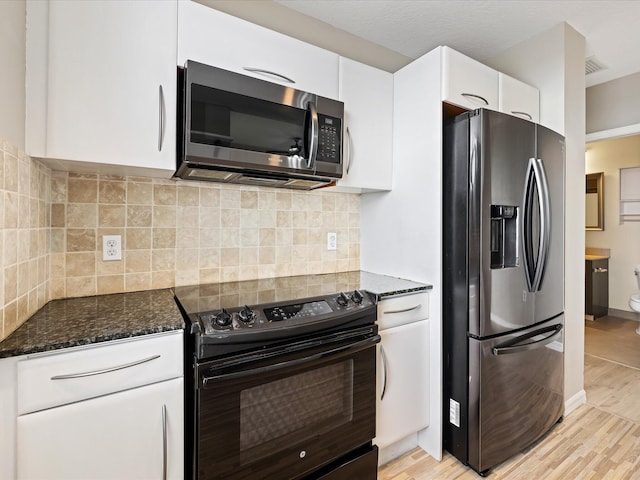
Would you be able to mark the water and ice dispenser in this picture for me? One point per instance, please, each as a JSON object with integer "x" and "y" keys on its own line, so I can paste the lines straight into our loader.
{"x": 504, "y": 236}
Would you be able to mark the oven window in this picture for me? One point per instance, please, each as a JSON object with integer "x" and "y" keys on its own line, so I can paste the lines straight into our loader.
{"x": 299, "y": 406}
{"x": 232, "y": 120}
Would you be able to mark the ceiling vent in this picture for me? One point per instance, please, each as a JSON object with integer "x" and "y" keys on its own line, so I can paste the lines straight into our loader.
{"x": 592, "y": 65}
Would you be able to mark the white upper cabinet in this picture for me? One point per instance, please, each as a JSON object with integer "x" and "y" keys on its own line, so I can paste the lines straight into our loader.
{"x": 212, "y": 37}
{"x": 104, "y": 73}
{"x": 367, "y": 93}
{"x": 517, "y": 98}
{"x": 468, "y": 83}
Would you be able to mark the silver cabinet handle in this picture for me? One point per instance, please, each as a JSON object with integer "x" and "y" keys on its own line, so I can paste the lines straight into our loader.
{"x": 521, "y": 114}
{"x": 268, "y": 72}
{"x": 415, "y": 307}
{"x": 164, "y": 442}
{"x": 350, "y": 156}
{"x": 104, "y": 370}
{"x": 384, "y": 370}
{"x": 160, "y": 117}
{"x": 600, "y": 270}
{"x": 472, "y": 96}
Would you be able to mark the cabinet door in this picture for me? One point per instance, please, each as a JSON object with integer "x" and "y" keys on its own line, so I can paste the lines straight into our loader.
{"x": 367, "y": 93}
{"x": 112, "y": 83}
{"x": 518, "y": 98}
{"x": 135, "y": 434}
{"x": 212, "y": 37}
{"x": 403, "y": 382}
{"x": 467, "y": 82}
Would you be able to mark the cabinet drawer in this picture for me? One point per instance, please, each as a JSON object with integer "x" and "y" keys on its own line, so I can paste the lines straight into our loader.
{"x": 49, "y": 380}
{"x": 402, "y": 310}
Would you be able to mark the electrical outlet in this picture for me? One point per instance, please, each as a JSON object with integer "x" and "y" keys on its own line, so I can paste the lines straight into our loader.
{"x": 332, "y": 241}
{"x": 111, "y": 248}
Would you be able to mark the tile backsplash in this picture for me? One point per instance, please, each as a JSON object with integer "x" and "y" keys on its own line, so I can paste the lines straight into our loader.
{"x": 184, "y": 233}
{"x": 172, "y": 233}
{"x": 25, "y": 218}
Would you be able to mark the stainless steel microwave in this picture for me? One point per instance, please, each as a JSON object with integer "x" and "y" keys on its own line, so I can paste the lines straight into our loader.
{"x": 238, "y": 129}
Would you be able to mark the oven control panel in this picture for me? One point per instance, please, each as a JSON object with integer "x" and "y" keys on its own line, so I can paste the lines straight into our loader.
{"x": 277, "y": 315}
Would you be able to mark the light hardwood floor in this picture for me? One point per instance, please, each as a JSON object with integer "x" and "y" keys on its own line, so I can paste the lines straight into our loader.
{"x": 599, "y": 440}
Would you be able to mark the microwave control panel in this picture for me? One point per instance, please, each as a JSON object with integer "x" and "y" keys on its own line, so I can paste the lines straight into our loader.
{"x": 329, "y": 139}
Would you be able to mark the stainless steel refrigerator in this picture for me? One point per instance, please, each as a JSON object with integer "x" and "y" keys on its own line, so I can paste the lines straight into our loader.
{"x": 503, "y": 285}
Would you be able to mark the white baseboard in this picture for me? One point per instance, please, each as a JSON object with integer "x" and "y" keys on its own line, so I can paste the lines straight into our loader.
{"x": 574, "y": 402}
{"x": 393, "y": 451}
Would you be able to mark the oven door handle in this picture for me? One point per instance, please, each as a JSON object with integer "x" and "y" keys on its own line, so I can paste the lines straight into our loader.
{"x": 338, "y": 352}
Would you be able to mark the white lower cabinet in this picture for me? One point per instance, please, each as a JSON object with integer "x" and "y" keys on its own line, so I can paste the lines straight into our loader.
{"x": 402, "y": 406}
{"x": 113, "y": 410}
{"x": 135, "y": 434}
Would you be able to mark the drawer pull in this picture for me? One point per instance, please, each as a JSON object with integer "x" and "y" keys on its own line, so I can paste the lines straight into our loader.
{"x": 600, "y": 270}
{"x": 104, "y": 370}
{"x": 415, "y": 307}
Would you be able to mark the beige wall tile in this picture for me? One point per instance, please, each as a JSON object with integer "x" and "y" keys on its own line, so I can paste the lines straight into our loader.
{"x": 80, "y": 264}
{"x": 137, "y": 281}
{"x": 82, "y": 215}
{"x": 164, "y": 195}
{"x": 114, "y": 192}
{"x": 112, "y": 215}
{"x": 110, "y": 284}
{"x": 164, "y": 216}
{"x": 139, "y": 216}
{"x": 82, "y": 190}
{"x": 81, "y": 240}
{"x": 188, "y": 196}
{"x": 139, "y": 193}
{"x": 137, "y": 261}
{"x": 164, "y": 259}
{"x": 138, "y": 238}
{"x": 81, "y": 286}
{"x": 164, "y": 238}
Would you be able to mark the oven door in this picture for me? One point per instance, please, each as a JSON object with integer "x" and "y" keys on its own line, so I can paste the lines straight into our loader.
{"x": 285, "y": 412}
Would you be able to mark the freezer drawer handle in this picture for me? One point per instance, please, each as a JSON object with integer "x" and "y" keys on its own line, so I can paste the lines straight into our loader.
{"x": 516, "y": 345}
{"x": 104, "y": 370}
{"x": 404, "y": 310}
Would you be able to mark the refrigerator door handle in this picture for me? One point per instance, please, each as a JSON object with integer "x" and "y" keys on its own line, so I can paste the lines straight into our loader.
{"x": 534, "y": 267}
{"x": 520, "y": 344}
{"x": 545, "y": 222}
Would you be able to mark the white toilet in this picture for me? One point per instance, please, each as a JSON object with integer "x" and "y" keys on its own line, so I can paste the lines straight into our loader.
{"x": 634, "y": 300}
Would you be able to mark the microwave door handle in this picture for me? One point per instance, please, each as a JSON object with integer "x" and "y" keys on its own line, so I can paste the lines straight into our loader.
{"x": 313, "y": 150}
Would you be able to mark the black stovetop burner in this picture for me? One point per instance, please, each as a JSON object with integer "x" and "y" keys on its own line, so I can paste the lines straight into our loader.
{"x": 222, "y": 323}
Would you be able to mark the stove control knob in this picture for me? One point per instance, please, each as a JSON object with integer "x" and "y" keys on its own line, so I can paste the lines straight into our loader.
{"x": 246, "y": 315}
{"x": 342, "y": 299}
{"x": 357, "y": 297}
{"x": 223, "y": 318}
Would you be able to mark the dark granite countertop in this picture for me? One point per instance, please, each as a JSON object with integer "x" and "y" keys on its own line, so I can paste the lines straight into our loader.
{"x": 202, "y": 298}
{"x": 80, "y": 321}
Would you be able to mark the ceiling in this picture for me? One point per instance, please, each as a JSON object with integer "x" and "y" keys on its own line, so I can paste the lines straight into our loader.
{"x": 390, "y": 33}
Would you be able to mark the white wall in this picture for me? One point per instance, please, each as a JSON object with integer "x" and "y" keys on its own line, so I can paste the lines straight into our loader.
{"x": 401, "y": 230}
{"x": 554, "y": 62}
{"x": 623, "y": 240}
{"x": 614, "y": 104}
{"x": 12, "y": 59}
